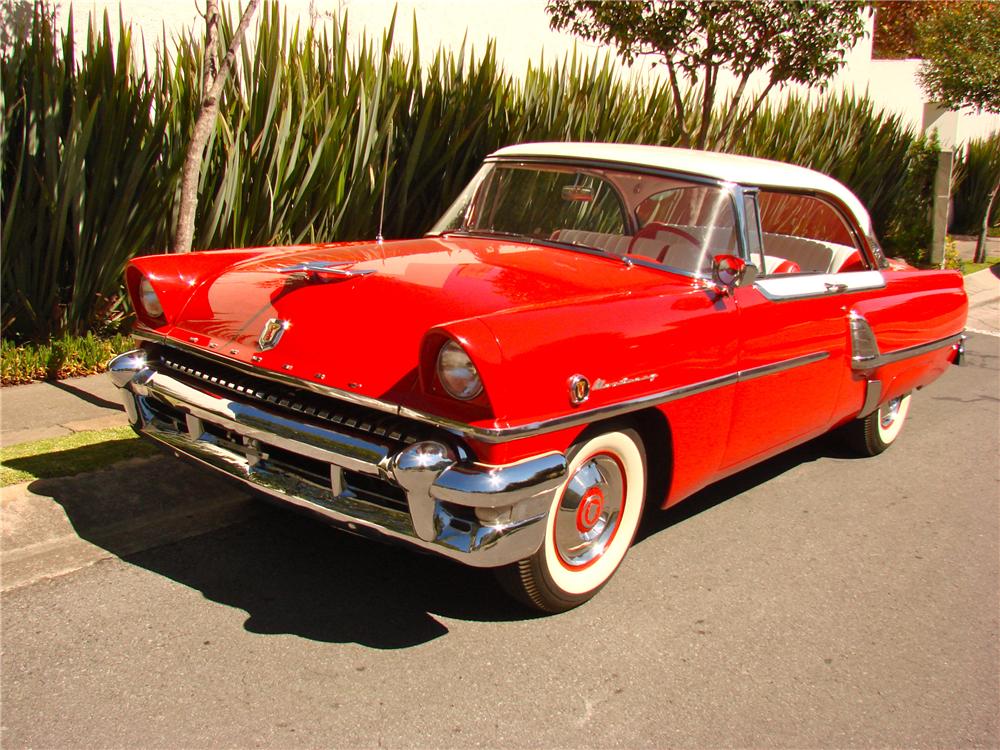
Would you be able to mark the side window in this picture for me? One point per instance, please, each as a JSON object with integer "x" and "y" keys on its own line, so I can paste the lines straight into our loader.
{"x": 806, "y": 234}
{"x": 685, "y": 226}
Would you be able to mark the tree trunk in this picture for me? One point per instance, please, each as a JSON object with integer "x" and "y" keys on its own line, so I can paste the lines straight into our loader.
{"x": 980, "y": 256}
{"x": 679, "y": 109}
{"x": 215, "y": 76}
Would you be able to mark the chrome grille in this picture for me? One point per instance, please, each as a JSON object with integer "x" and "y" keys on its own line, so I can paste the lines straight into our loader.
{"x": 227, "y": 381}
{"x": 374, "y": 490}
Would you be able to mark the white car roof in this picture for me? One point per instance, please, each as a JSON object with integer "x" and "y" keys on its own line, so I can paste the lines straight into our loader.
{"x": 745, "y": 170}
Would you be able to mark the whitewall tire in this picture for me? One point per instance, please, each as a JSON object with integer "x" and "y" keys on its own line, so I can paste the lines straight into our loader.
{"x": 876, "y": 432}
{"x": 590, "y": 526}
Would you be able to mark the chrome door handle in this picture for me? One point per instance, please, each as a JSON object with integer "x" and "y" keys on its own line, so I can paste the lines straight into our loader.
{"x": 835, "y": 288}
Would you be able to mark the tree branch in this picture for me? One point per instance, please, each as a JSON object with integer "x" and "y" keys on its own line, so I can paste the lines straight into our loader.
{"x": 230, "y": 58}
{"x": 744, "y": 121}
{"x": 727, "y": 124}
{"x": 707, "y": 100}
{"x": 213, "y": 82}
{"x": 980, "y": 254}
{"x": 678, "y": 104}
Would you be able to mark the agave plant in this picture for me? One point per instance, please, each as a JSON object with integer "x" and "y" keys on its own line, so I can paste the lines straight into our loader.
{"x": 81, "y": 185}
{"x": 978, "y": 173}
{"x": 314, "y": 134}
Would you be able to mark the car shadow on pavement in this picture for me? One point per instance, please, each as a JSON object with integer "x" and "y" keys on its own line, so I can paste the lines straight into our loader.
{"x": 295, "y": 575}
{"x": 84, "y": 395}
{"x": 824, "y": 446}
{"x": 289, "y": 572}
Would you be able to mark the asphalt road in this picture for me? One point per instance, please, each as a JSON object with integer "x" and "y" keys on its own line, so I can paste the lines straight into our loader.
{"x": 815, "y": 601}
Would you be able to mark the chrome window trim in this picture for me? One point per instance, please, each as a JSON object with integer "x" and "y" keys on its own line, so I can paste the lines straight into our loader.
{"x": 508, "y": 433}
{"x": 750, "y": 229}
{"x": 609, "y": 164}
{"x": 847, "y": 282}
{"x": 737, "y": 194}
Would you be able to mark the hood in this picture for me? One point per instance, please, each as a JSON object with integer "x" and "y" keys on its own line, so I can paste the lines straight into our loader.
{"x": 363, "y": 333}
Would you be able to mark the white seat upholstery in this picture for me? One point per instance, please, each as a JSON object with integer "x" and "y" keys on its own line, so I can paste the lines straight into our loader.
{"x": 812, "y": 256}
{"x": 613, "y": 243}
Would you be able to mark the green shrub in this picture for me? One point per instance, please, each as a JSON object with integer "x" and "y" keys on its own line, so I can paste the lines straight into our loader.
{"x": 64, "y": 357}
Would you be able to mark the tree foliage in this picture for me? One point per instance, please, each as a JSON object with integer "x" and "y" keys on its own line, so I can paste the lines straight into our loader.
{"x": 960, "y": 44}
{"x": 895, "y": 35}
{"x": 800, "y": 42}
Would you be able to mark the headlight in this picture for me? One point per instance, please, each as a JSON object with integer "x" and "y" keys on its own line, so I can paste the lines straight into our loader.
{"x": 457, "y": 373}
{"x": 150, "y": 302}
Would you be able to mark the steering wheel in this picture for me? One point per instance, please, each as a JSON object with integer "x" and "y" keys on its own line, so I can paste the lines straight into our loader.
{"x": 652, "y": 229}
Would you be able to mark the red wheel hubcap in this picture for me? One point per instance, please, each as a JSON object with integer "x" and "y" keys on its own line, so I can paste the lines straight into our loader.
{"x": 589, "y": 512}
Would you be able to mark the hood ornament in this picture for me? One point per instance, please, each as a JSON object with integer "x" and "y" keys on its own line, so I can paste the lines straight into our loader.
{"x": 316, "y": 269}
{"x": 271, "y": 334}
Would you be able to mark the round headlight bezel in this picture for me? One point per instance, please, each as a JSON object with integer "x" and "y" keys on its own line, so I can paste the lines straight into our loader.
{"x": 149, "y": 300}
{"x": 457, "y": 373}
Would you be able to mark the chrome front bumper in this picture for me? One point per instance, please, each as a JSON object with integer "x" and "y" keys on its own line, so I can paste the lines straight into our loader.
{"x": 481, "y": 515}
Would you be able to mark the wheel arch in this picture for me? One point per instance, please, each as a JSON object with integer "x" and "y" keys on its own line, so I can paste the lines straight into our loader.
{"x": 653, "y": 427}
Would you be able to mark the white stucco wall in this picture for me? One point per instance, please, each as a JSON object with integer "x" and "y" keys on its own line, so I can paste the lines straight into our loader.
{"x": 521, "y": 31}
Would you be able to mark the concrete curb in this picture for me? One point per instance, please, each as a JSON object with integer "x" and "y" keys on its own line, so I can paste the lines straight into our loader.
{"x": 56, "y": 526}
{"x": 45, "y": 410}
{"x": 983, "y": 288}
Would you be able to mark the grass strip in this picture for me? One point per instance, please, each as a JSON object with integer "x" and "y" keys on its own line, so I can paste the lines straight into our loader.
{"x": 73, "y": 454}
{"x": 970, "y": 267}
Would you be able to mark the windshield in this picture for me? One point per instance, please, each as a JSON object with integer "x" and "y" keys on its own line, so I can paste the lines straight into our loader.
{"x": 675, "y": 222}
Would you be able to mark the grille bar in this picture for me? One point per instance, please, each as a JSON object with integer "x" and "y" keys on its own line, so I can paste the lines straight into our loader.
{"x": 233, "y": 383}
{"x": 262, "y": 455}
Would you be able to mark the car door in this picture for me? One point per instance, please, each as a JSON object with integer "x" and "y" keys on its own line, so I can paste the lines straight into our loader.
{"x": 794, "y": 336}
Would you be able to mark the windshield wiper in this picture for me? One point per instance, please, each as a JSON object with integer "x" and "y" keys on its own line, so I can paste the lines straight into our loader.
{"x": 529, "y": 240}
{"x": 495, "y": 233}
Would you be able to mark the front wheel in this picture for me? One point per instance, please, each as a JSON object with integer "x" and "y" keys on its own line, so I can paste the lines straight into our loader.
{"x": 876, "y": 432}
{"x": 590, "y": 526}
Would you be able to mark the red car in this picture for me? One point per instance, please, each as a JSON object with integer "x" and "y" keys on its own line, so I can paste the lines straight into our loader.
{"x": 589, "y": 329}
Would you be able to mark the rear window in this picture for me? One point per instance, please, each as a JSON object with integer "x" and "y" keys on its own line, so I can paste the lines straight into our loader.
{"x": 802, "y": 216}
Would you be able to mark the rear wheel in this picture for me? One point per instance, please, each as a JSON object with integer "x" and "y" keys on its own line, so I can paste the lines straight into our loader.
{"x": 876, "y": 432}
{"x": 590, "y": 526}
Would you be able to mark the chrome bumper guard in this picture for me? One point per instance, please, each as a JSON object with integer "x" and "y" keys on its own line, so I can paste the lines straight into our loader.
{"x": 504, "y": 506}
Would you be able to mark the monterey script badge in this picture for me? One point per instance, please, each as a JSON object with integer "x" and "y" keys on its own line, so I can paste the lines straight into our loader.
{"x": 271, "y": 334}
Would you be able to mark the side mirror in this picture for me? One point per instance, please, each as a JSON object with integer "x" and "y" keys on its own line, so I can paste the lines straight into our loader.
{"x": 728, "y": 272}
